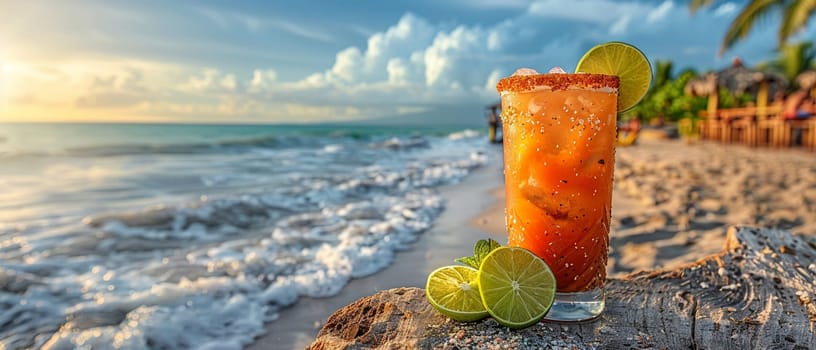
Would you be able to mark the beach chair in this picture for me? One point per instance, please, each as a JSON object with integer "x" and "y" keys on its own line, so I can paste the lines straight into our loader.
{"x": 809, "y": 135}
{"x": 737, "y": 124}
{"x": 765, "y": 125}
{"x": 710, "y": 126}
{"x": 783, "y": 131}
{"x": 628, "y": 133}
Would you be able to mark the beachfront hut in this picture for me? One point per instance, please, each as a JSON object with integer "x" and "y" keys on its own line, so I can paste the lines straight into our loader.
{"x": 739, "y": 79}
{"x": 706, "y": 86}
{"x": 750, "y": 125}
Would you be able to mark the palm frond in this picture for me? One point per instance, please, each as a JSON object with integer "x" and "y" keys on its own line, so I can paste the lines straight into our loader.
{"x": 795, "y": 58}
{"x": 746, "y": 19}
{"x": 663, "y": 72}
{"x": 795, "y": 18}
{"x": 696, "y": 5}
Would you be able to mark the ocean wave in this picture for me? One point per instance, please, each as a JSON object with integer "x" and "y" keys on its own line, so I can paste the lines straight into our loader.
{"x": 230, "y": 145}
{"x": 209, "y": 273}
{"x": 464, "y": 134}
{"x": 222, "y": 217}
{"x": 309, "y": 254}
{"x": 226, "y": 216}
{"x": 277, "y": 141}
{"x": 189, "y": 148}
{"x": 401, "y": 143}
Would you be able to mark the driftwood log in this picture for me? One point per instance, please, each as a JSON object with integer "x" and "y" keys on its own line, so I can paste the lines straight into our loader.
{"x": 759, "y": 293}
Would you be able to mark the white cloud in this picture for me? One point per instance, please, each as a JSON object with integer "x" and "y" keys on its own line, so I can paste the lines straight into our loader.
{"x": 410, "y": 109}
{"x": 594, "y": 11}
{"x": 301, "y": 30}
{"x": 441, "y": 57}
{"x": 122, "y": 88}
{"x": 206, "y": 80}
{"x": 620, "y": 26}
{"x": 492, "y": 80}
{"x": 493, "y": 41}
{"x": 408, "y": 65}
{"x": 725, "y": 9}
{"x": 411, "y": 66}
{"x": 347, "y": 66}
{"x": 417, "y": 63}
{"x": 111, "y": 100}
{"x": 231, "y": 20}
{"x": 409, "y": 36}
{"x": 229, "y": 82}
{"x": 211, "y": 81}
{"x": 397, "y": 71}
{"x": 613, "y": 17}
{"x": 492, "y": 4}
{"x": 661, "y": 12}
{"x": 430, "y": 61}
{"x": 262, "y": 80}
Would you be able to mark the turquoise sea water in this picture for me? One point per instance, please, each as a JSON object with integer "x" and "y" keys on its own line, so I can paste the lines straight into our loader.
{"x": 192, "y": 236}
{"x": 39, "y": 138}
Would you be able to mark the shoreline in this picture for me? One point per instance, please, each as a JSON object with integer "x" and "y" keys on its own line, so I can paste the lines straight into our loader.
{"x": 672, "y": 204}
{"x": 450, "y": 237}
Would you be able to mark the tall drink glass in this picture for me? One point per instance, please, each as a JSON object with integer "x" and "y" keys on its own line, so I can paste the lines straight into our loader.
{"x": 559, "y": 155}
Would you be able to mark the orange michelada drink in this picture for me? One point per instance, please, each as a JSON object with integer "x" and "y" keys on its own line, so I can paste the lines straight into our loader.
{"x": 559, "y": 156}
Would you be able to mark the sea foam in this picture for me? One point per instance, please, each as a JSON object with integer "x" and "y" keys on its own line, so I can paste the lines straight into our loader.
{"x": 209, "y": 272}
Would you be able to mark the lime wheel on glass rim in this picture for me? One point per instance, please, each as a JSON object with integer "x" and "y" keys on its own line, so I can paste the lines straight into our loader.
{"x": 625, "y": 61}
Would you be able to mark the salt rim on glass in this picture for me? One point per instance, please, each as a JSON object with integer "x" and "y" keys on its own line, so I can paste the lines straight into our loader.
{"x": 554, "y": 70}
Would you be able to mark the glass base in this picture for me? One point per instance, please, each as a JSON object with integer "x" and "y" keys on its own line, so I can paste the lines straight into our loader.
{"x": 576, "y": 307}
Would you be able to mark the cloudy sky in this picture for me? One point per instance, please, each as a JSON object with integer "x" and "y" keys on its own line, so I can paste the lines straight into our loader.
{"x": 322, "y": 61}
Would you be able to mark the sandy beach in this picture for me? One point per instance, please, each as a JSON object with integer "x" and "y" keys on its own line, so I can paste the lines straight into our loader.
{"x": 672, "y": 205}
{"x": 673, "y": 202}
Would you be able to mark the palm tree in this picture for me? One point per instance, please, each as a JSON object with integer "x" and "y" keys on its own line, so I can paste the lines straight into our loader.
{"x": 795, "y": 17}
{"x": 663, "y": 73}
{"x": 793, "y": 59}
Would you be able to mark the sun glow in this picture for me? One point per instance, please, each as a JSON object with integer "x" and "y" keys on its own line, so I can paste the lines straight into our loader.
{"x": 5, "y": 66}
{"x": 6, "y": 70}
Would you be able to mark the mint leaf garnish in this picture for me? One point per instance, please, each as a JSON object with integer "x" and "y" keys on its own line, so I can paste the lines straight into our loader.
{"x": 480, "y": 251}
{"x": 469, "y": 261}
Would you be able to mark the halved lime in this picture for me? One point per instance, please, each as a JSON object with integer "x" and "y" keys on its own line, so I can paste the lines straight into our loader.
{"x": 625, "y": 61}
{"x": 516, "y": 286}
{"x": 454, "y": 292}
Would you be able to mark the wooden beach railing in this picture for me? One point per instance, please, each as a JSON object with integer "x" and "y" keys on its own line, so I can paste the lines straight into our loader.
{"x": 755, "y": 126}
{"x": 759, "y": 293}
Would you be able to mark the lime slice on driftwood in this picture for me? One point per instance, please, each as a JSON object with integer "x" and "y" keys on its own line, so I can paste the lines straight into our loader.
{"x": 454, "y": 292}
{"x": 516, "y": 286}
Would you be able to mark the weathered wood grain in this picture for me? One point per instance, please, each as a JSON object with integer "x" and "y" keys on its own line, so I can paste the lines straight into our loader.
{"x": 759, "y": 293}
